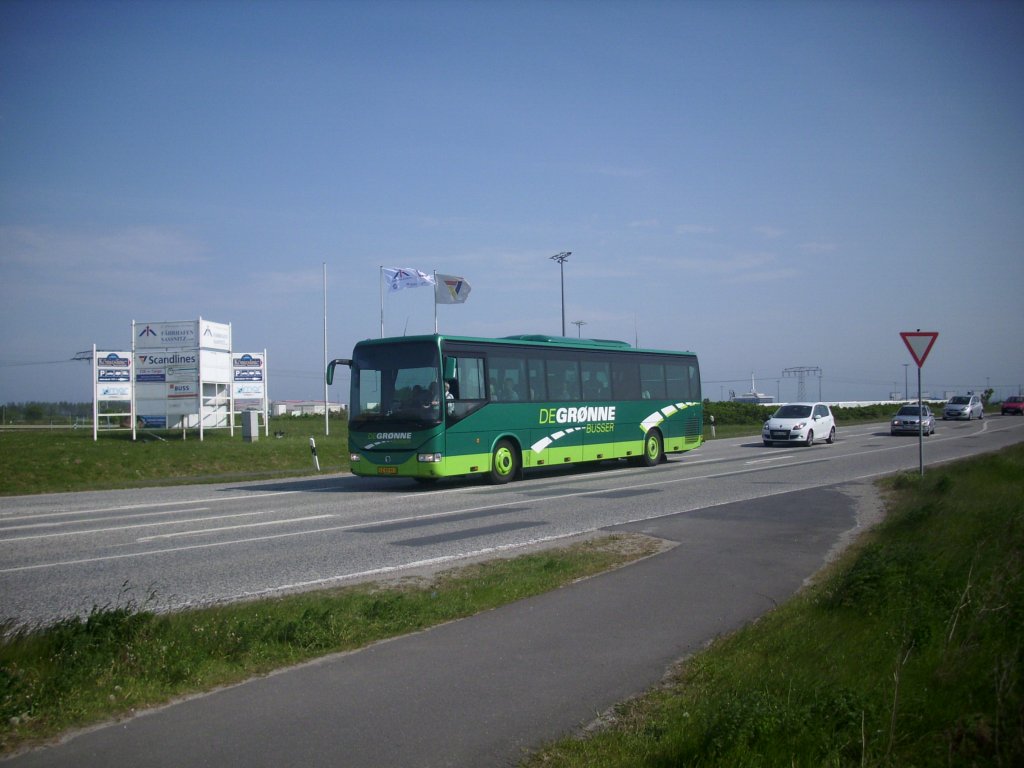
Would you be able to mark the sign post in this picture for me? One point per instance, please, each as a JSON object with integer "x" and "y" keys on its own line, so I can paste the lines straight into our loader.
{"x": 919, "y": 343}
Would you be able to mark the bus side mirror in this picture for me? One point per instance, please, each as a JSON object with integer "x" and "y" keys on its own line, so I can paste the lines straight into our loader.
{"x": 331, "y": 366}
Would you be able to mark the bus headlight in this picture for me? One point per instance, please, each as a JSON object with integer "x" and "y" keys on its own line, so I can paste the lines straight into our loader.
{"x": 429, "y": 458}
{"x": 354, "y": 457}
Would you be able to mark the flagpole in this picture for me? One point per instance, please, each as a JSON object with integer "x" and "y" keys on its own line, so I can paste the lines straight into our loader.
{"x": 380, "y": 285}
{"x": 327, "y": 394}
{"x": 435, "y": 301}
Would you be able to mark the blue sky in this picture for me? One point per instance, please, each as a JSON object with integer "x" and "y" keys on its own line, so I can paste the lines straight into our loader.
{"x": 770, "y": 185}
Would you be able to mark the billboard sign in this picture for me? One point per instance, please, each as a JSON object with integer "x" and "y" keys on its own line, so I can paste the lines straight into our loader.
{"x": 179, "y": 390}
{"x": 176, "y": 335}
{"x": 215, "y": 335}
{"x": 122, "y": 392}
{"x": 151, "y": 375}
{"x": 247, "y": 367}
{"x": 113, "y": 375}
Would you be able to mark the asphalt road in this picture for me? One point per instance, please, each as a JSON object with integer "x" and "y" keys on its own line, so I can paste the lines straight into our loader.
{"x": 748, "y": 526}
{"x": 63, "y": 554}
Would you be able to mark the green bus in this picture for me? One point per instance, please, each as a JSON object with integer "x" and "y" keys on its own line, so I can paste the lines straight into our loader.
{"x": 429, "y": 407}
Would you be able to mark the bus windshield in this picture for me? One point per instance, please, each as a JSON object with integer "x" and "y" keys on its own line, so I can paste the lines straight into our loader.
{"x": 396, "y": 386}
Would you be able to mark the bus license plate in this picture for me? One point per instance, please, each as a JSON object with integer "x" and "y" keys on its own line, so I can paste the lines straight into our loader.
{"x": 387, "y": 470}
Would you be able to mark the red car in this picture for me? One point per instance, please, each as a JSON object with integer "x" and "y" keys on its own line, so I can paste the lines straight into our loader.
{"x": 1013, "y": 404}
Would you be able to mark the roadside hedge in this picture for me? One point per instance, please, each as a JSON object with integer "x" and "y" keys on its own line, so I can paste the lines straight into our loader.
{"x": 728, "y": 412}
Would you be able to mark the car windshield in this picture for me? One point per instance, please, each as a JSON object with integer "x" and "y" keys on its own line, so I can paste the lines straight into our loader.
{"x": 793, "y": 412}
{"x": 908, "y": 410}
{"x": 1015, "y": 399}
{"x": 960, "y": 400}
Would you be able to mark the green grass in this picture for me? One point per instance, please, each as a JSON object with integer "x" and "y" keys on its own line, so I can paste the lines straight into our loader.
{"x": 58, "y": 460}
{"x": 123, "y": 658}
{"x": 909, "y": 651}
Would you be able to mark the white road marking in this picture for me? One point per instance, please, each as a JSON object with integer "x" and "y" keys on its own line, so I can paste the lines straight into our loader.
{"x": 202, "y": 531}
{"x": 152, "y": 505}
{"x": 60, "y": 523}
{"x": 116, "y": 528}
{"x": 769, "y": 458}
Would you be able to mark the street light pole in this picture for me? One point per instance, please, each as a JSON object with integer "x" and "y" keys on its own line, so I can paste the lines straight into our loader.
{"x": 579, "y": 327}
{"x": 560, "y": 258}
{"x": 906, "y": 387}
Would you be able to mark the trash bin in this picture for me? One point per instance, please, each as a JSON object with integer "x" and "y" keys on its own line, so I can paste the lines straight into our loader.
{"x": 250, "y": 426}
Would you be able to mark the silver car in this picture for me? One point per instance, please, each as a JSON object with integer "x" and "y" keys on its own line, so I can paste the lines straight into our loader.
{"x": 964, "y": 407}
{"x": 908, "y": 421}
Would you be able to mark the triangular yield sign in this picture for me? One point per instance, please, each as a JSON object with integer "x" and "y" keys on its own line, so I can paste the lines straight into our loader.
{"x": 919, "y": 343}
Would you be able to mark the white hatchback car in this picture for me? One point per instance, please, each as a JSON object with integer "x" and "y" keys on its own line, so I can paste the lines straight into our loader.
{"x": 964, "y": 407}
{"x": 800, "y": 423}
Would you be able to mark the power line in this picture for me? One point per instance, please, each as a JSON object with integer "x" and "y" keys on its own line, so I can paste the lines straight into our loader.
{"x": 41, "y": 362}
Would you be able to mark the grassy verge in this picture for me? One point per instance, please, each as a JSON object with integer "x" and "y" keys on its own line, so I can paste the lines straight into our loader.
{"x": 54, "y": 461}
{"x": 119, "y": 659}
{"x": 910, "y": 651}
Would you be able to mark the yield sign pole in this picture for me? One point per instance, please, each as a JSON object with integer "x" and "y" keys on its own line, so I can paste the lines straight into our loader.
{"x": 919, "y": 343}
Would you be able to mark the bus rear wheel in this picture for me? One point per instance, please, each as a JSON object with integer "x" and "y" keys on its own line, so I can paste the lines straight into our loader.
{"x": 504, "y": 462}
{"x": 654, "y": 449}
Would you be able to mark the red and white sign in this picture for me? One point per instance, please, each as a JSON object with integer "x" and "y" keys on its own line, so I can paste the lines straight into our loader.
{"x": 919, "y": 343}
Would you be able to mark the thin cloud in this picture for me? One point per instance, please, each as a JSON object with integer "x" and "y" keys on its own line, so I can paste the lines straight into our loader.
{"x": 121, "y": 249}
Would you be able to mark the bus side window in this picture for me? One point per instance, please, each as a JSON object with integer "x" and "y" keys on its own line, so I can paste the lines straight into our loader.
{"x": 469, "y": 379}
{"x": 677, "y": 381}
{"x": 625, "y": 379}
{"x": 652, "y": 380}
{"x": 563, "y": 379}
{"x": 508, "y": 376}
{"x": 595, "y": 380}
{"x": 538, "y": 391}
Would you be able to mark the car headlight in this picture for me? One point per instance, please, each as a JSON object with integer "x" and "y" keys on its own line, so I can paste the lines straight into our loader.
{"x": 799, "y": 427}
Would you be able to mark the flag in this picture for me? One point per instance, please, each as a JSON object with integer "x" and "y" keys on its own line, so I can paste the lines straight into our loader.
{"x": 398, "y": 278}
{"x": 449, "y": 289}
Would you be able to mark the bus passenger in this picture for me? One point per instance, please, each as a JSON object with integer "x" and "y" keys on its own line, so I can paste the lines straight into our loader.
{"x": 449, "y": 397}
{"x": 508, "y": 391}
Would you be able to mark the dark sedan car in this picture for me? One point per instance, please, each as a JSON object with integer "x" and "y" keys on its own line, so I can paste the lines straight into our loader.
{"x": 908, "y": 421}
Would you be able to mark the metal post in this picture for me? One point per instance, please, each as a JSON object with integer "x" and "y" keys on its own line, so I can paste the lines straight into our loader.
{"x": 327, "y": 395}
{"x": 920, "y": 425}
{"x": 560, "y": 258}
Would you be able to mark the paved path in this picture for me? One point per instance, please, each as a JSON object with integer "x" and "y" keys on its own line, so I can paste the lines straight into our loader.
{"x": 486, "y": 690}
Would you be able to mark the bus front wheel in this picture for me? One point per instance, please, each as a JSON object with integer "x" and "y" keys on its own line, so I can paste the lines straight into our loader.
{"x": 654, "y": 449}
{"x": 504, "y": 462}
